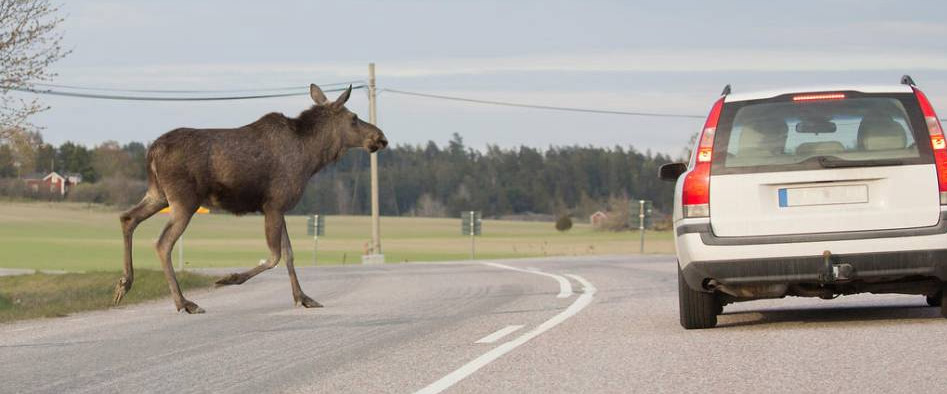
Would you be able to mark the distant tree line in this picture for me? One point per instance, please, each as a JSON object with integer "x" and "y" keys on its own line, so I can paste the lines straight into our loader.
{"x": 432, "y": 180}
{"x": 428, "y": 180}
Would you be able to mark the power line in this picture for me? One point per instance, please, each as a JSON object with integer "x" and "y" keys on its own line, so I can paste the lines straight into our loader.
{"x": 154, "y": 98}
{"x": 355, "y": 85}
{"x": 276, "y": 89}
{"x": 546, "y": 107}
{"x": 549, "y": 107}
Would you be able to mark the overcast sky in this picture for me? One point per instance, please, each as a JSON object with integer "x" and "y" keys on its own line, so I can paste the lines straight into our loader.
{"x": 658, "y": 56}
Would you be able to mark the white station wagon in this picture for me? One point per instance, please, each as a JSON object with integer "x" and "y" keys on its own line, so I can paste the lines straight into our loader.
{"x": 815, "y": 193}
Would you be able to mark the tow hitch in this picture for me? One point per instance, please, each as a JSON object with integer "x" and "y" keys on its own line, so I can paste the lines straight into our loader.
{"x": 834, "y": 269}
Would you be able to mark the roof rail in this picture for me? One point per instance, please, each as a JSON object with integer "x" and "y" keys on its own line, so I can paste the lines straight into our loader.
{"x": 726, "y": 90}
{"x": 907, "y": 80}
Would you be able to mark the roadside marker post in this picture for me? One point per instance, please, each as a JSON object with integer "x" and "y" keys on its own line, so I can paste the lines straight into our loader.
{"x": 180, "y": 243}
{"x": 471, "y": 224}
{"x": 316, "y": 226}
{"x": 642, "y": 220}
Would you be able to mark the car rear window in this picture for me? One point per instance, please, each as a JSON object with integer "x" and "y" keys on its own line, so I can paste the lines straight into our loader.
{"x": 782, "y": 134}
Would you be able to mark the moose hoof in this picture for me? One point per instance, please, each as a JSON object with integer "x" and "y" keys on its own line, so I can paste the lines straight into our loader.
{"x": 122, "y": 288}
{"x": 191, "y": 308}
{"x": 232, "y": 279}
{"x": 307, "y": 302}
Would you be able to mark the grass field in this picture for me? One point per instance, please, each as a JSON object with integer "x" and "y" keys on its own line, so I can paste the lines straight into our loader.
{"x": 46, "y": 295}
{"x": 79, "y": 237}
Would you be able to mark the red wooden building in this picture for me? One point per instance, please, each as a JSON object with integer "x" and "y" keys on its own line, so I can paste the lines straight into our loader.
{"x": 52, "y": 183}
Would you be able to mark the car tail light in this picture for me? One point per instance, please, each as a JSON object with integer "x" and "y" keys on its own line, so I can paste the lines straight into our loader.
{"x": 937, "y": 142}
{"x": 696, "y": 198}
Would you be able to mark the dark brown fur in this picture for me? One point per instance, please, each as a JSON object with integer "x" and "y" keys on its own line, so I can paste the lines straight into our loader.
{"x": 261, "y": 167}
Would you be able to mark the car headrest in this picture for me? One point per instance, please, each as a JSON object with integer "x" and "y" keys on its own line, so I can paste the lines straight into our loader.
{"x": 881, "y": 134}
{"x": 763, "y": 138}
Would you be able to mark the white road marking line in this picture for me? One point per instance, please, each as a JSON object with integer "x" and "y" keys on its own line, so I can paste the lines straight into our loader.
{"x": 452, "y": 378}
{"x": 585, "y": 284}
{"x": 499, "y": 334}
{"x": 565, "y": 288}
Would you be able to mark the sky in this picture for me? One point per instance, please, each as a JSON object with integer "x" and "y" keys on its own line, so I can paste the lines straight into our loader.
{"x": 656, "y": 56}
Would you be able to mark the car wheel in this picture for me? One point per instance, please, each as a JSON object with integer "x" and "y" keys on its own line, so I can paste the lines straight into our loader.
{"x": 698, "y": 309}
{"x": 935, "y": 300}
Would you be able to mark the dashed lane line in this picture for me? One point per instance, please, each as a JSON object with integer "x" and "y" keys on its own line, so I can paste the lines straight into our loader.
{"x": 499, "y": 334}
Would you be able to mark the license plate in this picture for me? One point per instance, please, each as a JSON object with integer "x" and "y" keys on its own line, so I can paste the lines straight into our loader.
{"x": 823, "y": 195}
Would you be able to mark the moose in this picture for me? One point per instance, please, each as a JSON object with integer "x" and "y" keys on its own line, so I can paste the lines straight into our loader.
{"x": 261, "y": 167}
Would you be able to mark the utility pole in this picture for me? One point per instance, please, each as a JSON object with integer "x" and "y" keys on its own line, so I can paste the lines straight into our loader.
{"x": 373, "y": 118}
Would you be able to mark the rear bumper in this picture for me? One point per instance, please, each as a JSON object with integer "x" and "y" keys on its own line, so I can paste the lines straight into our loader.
{"x": 876, "y": 267}
{"x": 707, "y": 236}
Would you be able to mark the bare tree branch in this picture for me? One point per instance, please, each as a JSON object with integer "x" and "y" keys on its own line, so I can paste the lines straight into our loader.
{"x": 30, "y": 41}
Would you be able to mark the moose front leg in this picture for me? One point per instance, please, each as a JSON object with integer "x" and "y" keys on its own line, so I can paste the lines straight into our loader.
{"x": 298, "y": 296}
{"x": 273, "y": 224}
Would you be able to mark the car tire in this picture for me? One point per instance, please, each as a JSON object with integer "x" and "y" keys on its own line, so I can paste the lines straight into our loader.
{"x": 698, "y": 309}
{"x": 935, "y": 300}
{"x": 943, "y": 303}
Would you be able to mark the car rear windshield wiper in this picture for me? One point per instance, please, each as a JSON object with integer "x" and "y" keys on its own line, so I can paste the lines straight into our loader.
{"x": 835, "y": 162}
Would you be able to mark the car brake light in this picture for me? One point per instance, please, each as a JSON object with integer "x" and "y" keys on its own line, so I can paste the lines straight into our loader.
{"x": 937, "y": 142}
{"x": 821, "y": 96}
{"x": 696, "y": 195}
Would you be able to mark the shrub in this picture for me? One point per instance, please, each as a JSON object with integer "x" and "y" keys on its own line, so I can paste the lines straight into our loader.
{"x": 564, "y": 223}
{"x": 121, "y": 192}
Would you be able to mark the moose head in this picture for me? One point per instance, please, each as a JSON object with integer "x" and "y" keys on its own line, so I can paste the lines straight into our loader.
{"x": 354, "y": 132}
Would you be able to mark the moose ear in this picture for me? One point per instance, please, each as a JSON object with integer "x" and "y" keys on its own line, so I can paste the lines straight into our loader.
{"x": 344, "y": 97}
{"x": 317, "y": 96}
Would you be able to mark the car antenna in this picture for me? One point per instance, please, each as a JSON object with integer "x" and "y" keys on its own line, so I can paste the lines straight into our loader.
{"x": 907, "y": 80}
{"x": 726, "y": 90}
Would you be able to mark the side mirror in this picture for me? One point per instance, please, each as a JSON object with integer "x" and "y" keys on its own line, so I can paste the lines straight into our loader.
{"x": 671, "y": 171}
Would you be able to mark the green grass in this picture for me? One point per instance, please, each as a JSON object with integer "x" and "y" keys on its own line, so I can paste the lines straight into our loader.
{"x": 79, "y": 237}
{"x": 48, "y": 295}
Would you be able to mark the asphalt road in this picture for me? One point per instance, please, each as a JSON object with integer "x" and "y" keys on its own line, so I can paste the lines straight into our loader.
{"x": 590, "y": 324}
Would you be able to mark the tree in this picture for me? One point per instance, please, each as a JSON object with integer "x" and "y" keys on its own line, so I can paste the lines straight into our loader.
{"x": 75, "y": 158}
{"x": 109, "y": 160}
{"x": 30, "y": 42}
{"x": 7, "y": 162}
{"x": 137, "y": 152}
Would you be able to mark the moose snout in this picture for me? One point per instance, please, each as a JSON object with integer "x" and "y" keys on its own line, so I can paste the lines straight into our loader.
{"x": 377, "y": 142}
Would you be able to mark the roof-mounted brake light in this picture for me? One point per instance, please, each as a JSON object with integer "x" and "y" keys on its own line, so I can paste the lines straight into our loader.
{"x": 821, "y": 96}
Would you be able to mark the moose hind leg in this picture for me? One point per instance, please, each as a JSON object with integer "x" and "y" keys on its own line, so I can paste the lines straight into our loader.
{"x": 299, "y": 297}
{"x": 181, "y": 214}
{"x": 273, "y": 223}
{"x": 130, "y": 219}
